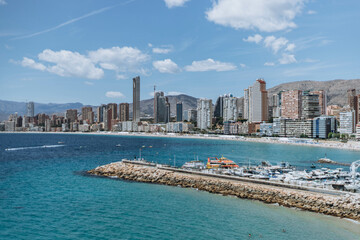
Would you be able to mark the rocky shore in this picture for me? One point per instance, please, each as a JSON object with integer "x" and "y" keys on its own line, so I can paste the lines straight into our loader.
{"x": 344, "y": 206}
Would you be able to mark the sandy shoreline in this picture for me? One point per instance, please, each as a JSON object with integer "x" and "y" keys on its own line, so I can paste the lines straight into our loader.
{"x": 351, "y": 145}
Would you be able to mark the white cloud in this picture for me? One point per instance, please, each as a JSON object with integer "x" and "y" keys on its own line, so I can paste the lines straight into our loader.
{"x": 287, "y": 59}
{"x": 161, "y": 50}
{"x": 28, "y": 62}
{"x": 89, "y": 83}
{"x": 73, "y": 64}
{"x": 210, "y": 65}
{"x": 70, "y": 64}
{"x": 151, "y": 94}
{"x": 275, "y": 43}
{"x": 174, "y": 93}
{"x": 257, "y": 38}
{"x": 120, "y": 77}
{"x": 269, "y": 64}
{"x": 122, "y": 59}
{"x": 112, "y": 94}
{"x": 175, "y": 3}
{"x": 290, "y": 47}
{"x": 311, "y": 12}
{"x": 3, "y": 2}
{"x": 264, "y": 15}
{"x": 150, "y": 45}
{"x": 166, "y": 66}
{"x": 243, "y": 65}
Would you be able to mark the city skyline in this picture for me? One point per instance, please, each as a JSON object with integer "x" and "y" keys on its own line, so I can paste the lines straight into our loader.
{"x": 76, "y": 52}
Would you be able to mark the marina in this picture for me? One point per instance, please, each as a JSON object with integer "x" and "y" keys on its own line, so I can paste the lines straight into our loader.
{"x": 321, "y": 200}
{"x": 283, "y": 173}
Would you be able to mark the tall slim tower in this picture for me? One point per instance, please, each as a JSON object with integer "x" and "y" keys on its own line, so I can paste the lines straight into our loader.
{"x": 179, "y": 112}
{"x": 30, "y": 109}
{"x": 136, "y": 99}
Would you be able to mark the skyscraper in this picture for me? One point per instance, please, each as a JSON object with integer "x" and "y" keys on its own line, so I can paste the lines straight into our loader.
{"x": 160, "y": 108}
{"x": 30, "y": 109}
{"x": 246, "y": 104}
{"x": 100, "y": 113}
{"x": 113, "y": 107}
{"x": 230, "y": 109}
{"x": 204, "y": 113}
{"x": 218, "y": 111}
{"x": 179, "y": 112}
{"x": 124, "y": 112}
{"x": 167, "y": 110}
{"x": 255, "y": 99}
{"x": 136, "y": 99}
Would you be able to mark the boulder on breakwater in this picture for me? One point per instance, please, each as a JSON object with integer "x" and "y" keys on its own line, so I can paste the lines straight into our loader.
{"x": 344, "y": 206}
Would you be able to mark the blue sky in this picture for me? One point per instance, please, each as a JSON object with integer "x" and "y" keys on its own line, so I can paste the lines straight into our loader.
{"x": 88, "y": 51}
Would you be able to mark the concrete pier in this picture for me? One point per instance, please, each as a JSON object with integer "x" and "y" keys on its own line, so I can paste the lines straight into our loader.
{"x": 330, "y": 202}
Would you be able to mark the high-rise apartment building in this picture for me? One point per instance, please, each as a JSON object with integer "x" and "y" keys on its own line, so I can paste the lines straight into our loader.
{"x": 230, "y": 109}
{"x": 204, "y": 113}
{"x": 100, "y": 113}
{"x": 30, "y": 109}
{"x": 351, "y": 95}
{"x": 291, "y": 104}
{"x": 190, "y": 115}
{"x": 87, "y": 115}
{"x": 218, "y": 111}
{"x": 136, "y": 99}
{"x": 113, "y": 107}
{"x": 347, "y": 122}
{"x": 71, "y": 115}
{"x": 322, "y": 100}
{"x": 179, "y": 112}
{"x": 310, "y": 105}
{"x": 167, "y": 110}
{"x": 161, "y": 108}
{"x": 257, "y": 100}
{"x": 124, "y": 112}
{"x": 107, "y": 117}
{"x": 246, "y": 104}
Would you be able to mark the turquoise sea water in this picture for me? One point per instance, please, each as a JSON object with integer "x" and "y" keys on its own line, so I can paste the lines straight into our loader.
{"x": 45, "y": 195}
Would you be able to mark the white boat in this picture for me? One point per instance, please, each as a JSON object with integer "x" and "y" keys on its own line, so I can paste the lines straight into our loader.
{"x": 194, "y": 165}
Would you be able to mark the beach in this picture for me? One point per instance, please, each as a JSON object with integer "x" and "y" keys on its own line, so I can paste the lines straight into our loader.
{"x": 350, "y": 145}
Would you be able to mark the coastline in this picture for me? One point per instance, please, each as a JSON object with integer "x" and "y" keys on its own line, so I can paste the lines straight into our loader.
{"x": 343, "y": 205}
{"x": 351, "y": 145}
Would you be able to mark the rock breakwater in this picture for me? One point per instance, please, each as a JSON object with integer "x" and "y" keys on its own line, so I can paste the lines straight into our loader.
{"x": 344, "y": 206}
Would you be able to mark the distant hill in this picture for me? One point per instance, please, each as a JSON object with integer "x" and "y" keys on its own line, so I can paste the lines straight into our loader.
{"x": 336, "y": 89}
{"x": 10, "y": 107}
{"x": 146, "y": 106}
{"x": 336, "y": 94}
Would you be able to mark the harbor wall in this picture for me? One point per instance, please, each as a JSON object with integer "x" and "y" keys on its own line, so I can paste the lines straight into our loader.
{"x": 344, "y": 206}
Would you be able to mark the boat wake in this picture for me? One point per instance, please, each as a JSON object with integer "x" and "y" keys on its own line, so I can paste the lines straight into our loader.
{"x": 35, "y": 147}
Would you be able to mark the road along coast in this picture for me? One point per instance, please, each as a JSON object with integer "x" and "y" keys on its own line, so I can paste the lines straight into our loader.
{"x": 341, "y": 205}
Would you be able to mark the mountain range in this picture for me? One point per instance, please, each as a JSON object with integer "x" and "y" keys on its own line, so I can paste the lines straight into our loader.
{"x": 336, "y": 95}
